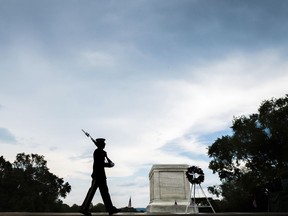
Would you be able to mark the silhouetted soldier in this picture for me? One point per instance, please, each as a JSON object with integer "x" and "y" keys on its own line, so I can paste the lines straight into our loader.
{"x": 99, "y": 179}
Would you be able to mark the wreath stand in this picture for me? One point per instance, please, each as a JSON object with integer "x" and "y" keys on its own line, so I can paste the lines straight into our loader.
{"x": 192, "y": 201}
{"x": 195, "y": 176}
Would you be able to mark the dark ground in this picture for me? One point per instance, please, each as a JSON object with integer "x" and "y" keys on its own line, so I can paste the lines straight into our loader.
{"x": 140, "y": 214}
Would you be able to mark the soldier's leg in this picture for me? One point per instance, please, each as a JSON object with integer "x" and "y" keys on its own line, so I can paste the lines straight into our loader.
{"x": 88, "y": 199}
{"x": 105, "y": 195}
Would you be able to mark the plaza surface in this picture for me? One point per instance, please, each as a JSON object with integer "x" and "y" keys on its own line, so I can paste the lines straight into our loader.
{"x": 142, "y": 214}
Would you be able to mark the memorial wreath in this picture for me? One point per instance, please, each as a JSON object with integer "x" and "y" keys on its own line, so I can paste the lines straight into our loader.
{"x": 195, "y": 175}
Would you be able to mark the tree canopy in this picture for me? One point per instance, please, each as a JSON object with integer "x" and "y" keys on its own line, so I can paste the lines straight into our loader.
{"x": 254, "y": 156}
{"x": 28, "y": 185}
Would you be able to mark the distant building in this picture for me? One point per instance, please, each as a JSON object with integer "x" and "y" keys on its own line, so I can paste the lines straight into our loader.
{"x": 129, "y": 203}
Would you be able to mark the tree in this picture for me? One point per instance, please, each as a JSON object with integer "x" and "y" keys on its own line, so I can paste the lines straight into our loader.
{"x": 100, "y": 207}
{"x": 5, "y": 173}
{"x": 253, "y": 156}
{"x": 28, "y": 185}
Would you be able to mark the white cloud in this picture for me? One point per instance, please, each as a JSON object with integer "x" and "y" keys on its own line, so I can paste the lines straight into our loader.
{"x": 98, "y": 59}
{"x": 144, "y": 117}
{"x": 189, "y": 107}
{"x": 153, "y": 82}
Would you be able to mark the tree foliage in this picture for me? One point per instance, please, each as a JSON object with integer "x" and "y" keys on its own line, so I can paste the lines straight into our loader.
{"x": 254, "y": 155}
{"x": 28, "y": 185}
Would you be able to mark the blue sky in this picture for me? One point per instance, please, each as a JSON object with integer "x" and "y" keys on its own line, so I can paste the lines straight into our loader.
{"x": 160, "y": 80}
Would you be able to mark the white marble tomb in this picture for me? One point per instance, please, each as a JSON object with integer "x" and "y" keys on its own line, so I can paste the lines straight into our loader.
{"x": 169, "y": 185}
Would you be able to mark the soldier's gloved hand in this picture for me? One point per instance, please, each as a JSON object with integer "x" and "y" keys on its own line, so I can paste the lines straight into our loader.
{"x": 111, "y": 164}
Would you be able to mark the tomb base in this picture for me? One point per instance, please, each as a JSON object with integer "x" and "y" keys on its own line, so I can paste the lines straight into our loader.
{"x": 169, "y": 189}
{"x": 170, "y": 207}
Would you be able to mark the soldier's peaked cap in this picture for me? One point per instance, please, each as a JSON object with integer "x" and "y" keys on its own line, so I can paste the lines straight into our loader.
{"x": 100, "y": 140}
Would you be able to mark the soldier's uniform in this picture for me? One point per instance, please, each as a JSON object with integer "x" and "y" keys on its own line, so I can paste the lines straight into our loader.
{"x": 99, "y": 179}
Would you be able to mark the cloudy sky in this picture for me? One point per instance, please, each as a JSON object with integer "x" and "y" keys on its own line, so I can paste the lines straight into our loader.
{"x": 160, "y": 80}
